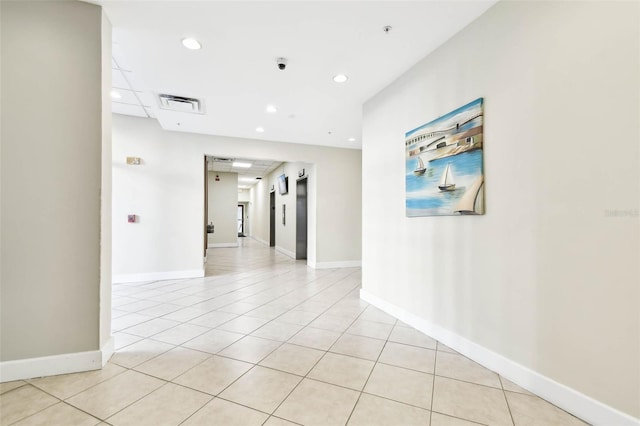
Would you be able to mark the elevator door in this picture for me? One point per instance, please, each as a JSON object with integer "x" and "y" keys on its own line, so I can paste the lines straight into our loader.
{"x": 272, "y": 220}
{"x": 301, "y": 219}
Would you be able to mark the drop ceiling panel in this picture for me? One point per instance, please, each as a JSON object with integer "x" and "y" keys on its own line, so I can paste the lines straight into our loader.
{"x": 246, "y": 177}
{"x": 119, "y": 57}
{"x": 127, "y": 97}
{"x": 126, "y": 109}
{"x": 147, "y": 99}
{"x": 235, "y": 71}
{"x": 118, "y": 80}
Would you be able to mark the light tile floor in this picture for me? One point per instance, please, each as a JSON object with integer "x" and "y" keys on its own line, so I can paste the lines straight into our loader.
{"x": 264, "y": 340}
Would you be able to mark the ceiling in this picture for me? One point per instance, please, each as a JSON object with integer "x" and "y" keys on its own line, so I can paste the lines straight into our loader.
{"x": 247, "y": 176}
{"x": 235, "y": 73}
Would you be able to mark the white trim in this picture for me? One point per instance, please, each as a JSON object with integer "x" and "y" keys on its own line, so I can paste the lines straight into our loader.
{"x": 50, "y": 365}
{"x": 286, "y": 252}
{"x": 157, "y": 276}
{"x": 222, "y": 245}
{"x": 107, "y": 350}
{"x": 571, "y": 400}
{"x": 338, "y": 264}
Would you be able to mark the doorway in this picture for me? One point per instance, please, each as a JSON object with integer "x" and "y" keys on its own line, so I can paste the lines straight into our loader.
{"x": 301, "y": 219}
{"x": 272, "y": 219}
{"x": 241, "y": 220}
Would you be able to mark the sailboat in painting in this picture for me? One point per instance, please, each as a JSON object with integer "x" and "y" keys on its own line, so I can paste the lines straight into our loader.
{"x": 421, "y": 168}
{"x": 472, "y": 202}
{"x": 446, "y": 181}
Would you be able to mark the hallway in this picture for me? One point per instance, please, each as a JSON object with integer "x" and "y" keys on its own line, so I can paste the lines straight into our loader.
{"x": 264, "y": 339}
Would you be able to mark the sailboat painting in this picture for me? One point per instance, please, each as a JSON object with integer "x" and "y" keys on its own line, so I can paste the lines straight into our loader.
{"x": 446, "y": 181}
{"x": 443, "y": 162}
{"x": 420, "y": 168}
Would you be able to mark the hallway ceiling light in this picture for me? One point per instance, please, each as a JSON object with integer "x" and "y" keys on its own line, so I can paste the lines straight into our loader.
{"x": 260, "y": 129}
{"x": 115, "y": 94}
{"x": 340, "y": 78}
{"x": 351, "y": 139}
{"x": 241, "y": 165}
{"x": 271, "y": 109}
{"x": 191, "y": 43}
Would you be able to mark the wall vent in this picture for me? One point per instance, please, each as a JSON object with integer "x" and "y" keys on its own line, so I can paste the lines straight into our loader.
{"x": 181, "y": 104}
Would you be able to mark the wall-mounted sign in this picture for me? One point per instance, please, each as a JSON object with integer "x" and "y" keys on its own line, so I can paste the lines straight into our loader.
{"x": 300, "y": 173}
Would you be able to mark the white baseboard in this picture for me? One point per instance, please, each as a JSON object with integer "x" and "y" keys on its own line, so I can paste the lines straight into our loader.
{"x": 260, "y": 240}
{"x": 222, "y": 245}
{"x": 338, "y": 264}
{"x": 286, "y": 252}
{"x": 576, "y": 403}
{"x": 107, "y": 350}
{"x": 50, "y": 365}
{"x": 157, "y": 276}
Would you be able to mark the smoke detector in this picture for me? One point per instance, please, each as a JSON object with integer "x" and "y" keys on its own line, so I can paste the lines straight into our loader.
{"x": 180, "y": 103}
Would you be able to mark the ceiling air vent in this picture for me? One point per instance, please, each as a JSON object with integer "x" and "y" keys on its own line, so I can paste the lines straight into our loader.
{"x": 181, "y": 104}
{"x": 222, "y": 160}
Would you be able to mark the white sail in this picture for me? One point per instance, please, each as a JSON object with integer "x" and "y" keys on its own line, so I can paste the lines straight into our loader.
{"x": 447, "y": 177}
{"x": 472, "y": 202}
{"x": 420, "y": 164}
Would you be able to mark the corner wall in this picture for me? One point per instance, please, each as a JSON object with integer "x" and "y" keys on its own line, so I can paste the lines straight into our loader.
{"x": 286, "y": 232}
{"x": 547, "y": 281}
{"x": 167, "y": 192}
{"x": 51, "y": 187}
{"x": 223, "y": 209}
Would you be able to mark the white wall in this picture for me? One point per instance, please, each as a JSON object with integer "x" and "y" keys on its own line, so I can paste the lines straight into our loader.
{"x": 548, "y": 278}
{"x": 244, "y": 195}
{"x": 105, "y": 193}
{"x": 166, "y": 191}
{"x": 223, "y": 209}
{"x": 52, "y": 185}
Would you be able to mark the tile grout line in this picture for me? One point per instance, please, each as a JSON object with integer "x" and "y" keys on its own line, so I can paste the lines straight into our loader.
{"x": 433, "y": 384}
{"x": 373, "y": 368}
{"x": 506, "y": 400}
{"x": 325, "y": 352}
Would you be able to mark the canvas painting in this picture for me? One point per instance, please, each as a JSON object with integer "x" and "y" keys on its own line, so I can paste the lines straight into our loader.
{"x": 444, "y": 174}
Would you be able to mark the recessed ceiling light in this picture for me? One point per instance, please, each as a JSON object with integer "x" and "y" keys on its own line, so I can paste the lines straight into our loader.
{"x": 260, "y": 129}
{"x": 272, "y": 109}
{"x": 340, "y": 78}
{"x": 191, "y": 43}
{"x": 352, "y": 139}
{"x": 115, "y": 94}
{"x": 241, "y": 165}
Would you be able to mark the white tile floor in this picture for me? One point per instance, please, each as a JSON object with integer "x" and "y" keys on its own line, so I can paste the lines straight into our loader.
{"x": 264, "y": 340}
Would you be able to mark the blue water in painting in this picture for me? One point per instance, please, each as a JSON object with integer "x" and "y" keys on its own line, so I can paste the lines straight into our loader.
{"x": 423, "y": 195}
